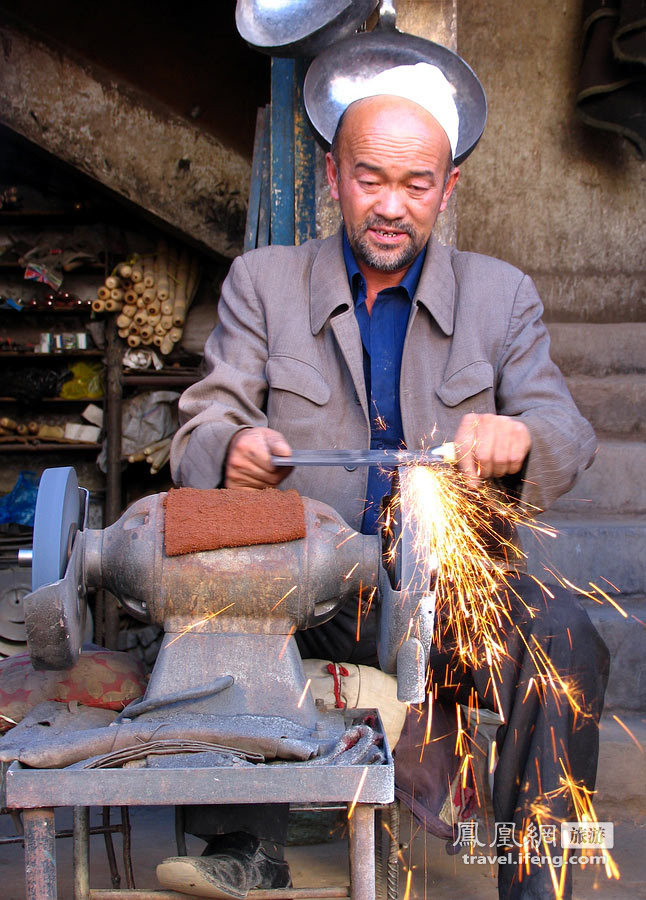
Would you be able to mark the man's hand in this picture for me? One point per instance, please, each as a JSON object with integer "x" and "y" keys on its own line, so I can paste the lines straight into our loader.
{"x": 491, "y": 446}
{"x": 248, "y": 462}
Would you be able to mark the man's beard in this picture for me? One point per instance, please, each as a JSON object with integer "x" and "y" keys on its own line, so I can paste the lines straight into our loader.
{"x": 386, "y": 259}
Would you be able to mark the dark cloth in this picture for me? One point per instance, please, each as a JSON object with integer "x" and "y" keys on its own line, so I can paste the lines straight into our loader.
{"x": 528, "y": 767}
{"x": 266, "y": 821}
{"x": 382, "y": 336}
{"x": 612, "y": 79}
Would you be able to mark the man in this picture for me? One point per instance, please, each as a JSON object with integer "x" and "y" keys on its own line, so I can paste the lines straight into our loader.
{"x": 380, "y": 336}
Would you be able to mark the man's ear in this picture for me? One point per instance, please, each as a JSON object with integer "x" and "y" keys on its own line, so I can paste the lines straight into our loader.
{"x": 450, "y": 184}
{"x": 332, "y": 171}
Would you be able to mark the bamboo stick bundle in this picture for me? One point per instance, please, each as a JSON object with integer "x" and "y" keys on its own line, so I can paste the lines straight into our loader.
{"x": 98, "y": 305}
{"x": 140, "y": 303}
{"x": 130, "y": 296}
{"x": 153, "y": 320}
{"x": 116, "y": 294}
{"x": 146, "y": 331}
{"x": 166, "y": 322}
{"x": 137, "y": 274}
{"x": 149, "y": 296}
{"x": 139, "y": 456}
{"x": 166, "y": 345}
{"x": 133, "y": 340}
{"x": 124, "y": 270}
{"x": 141, "y": 317}
{"x": 158, "y": 340}
{"x": 103, "y": 293}
{"x": 146, "y": 341}
{"x": 113, "y": 305}
{"x": 123, "y": 322}
{"x": 149, "y": 271}
{"x": 123, "y": 332}
{"x": 160, "y": 331}
{"x": 167, "y": 304}
{"x": 175, "y": 334}
{"x": 179, "y": 306}
{"x": 139, "y": 288}
{"x": 112, "y": 282}
{"x": 154, "y": 309}
{"x": 160, "y": 459}
{"x": 129, "y": 310}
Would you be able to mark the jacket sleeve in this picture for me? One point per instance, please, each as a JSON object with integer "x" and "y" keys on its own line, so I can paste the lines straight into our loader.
{"x": 232, "y": 394}
{"x": 531, "y": 387}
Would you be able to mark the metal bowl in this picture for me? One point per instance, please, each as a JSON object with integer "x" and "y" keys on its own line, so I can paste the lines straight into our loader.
{"x": 296, "y": 28}
{"x": 362, "y": 56}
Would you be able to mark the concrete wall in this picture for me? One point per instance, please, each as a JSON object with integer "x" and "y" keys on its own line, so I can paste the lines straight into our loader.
{"x": 564, "y": 202}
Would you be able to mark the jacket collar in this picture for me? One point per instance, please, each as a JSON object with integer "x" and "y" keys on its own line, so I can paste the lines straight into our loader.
{"x": 329, "y": 288}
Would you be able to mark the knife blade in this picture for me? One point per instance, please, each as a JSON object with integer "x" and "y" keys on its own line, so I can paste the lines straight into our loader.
{"x": 445, "y": 453}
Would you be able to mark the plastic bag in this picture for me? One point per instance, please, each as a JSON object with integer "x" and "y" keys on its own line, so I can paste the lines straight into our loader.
{"x": 19, "y": 505}
{"x": 86, "y": 382}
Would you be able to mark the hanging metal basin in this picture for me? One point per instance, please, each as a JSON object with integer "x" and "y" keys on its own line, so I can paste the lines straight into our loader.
{"x": 362, "y": 56}
{"x": 298, "y": 28}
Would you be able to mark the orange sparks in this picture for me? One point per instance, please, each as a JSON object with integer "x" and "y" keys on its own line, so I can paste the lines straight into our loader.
{"x": 284, "y": 597}
{"x": 409, "y": 877}
{"x": 197, "y": 624}
{"x": 351, "y": 571}
{"x": 305, "y": 690}
{"x": 292, "y": 629}
{"x": 358, "y": 791}
{"x": 628, "y": 732}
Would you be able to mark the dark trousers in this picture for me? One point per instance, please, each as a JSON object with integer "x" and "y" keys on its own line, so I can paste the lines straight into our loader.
{"x": 541, "y": 732}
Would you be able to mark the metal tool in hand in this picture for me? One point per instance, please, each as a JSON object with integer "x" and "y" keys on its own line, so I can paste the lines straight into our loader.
{"x": 445, "y": 453}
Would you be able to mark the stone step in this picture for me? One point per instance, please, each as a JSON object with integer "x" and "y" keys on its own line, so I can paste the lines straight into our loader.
{"x": 590, "y": 548}
{"x": 592, "y": 349}
{"x": 621, "y": 774}
{"x": 614, "y": 404}
{"x": 625, "y": 639}
{"x": 615, "y": 482}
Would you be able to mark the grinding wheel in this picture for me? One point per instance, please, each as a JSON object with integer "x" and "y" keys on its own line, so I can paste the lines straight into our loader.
{"x": 55, "y": 610}
{"x": 56, "y": 521}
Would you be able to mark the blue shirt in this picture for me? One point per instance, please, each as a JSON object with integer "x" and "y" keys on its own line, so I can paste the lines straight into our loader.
{"x": 382, "y": 336}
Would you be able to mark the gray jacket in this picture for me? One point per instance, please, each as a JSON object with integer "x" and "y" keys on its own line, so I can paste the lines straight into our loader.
{"x": 287, "y": 354}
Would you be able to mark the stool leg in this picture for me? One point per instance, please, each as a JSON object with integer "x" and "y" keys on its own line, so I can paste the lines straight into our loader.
{"x": 81, "y": 852}
{"x": 40, "y": 854}
{"x": 361, "y": 837}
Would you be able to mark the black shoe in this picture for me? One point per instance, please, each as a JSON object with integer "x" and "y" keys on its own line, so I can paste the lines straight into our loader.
{"x": 233, "y": 865}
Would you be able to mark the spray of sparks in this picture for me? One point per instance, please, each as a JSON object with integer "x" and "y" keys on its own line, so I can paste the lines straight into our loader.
{"x": 455, "y": 525}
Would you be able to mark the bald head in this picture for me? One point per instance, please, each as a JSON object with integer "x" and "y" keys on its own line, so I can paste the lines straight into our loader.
{"x": 388, "y": 111}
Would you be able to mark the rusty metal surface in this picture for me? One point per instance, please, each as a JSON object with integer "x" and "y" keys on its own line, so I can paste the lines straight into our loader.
{"x": 288, "y": 783}
{"x": 297, "y": 583}
{"x": 313, "y": 893}
{"x": 40, "y": 854}
{"x": 361, "y": 840}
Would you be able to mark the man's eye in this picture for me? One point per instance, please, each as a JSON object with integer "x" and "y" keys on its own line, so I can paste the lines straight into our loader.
{"x": 368, "y": 184}
{"x": 417, "y": 188}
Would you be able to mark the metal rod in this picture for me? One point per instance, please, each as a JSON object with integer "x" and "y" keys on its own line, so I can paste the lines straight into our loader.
{"x": 445, "y": 453}
{"x": 361, "y": 839}
{"x": 40, "y": 854}
{"x": 324, "y": 893}
{"x": 115, "y": 878}
{"x": 114, "y": 398}
{"x": 66, "y": 833}
{"x": 81, "y": 852}
{"x": 127, "y": 855}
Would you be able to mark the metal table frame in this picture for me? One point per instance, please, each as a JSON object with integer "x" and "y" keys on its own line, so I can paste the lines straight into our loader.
{"x": 39, "y": 791}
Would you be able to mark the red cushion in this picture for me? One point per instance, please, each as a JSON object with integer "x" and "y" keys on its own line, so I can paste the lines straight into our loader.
{"x": 103, "y": 678}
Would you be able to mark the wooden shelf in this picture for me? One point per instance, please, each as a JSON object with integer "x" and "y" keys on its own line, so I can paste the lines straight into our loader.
{"x": 161, "y": 379}
{"x": 54, "y": 400}
{"x": 63, "y": 447}
{"x": 31, "y": 354}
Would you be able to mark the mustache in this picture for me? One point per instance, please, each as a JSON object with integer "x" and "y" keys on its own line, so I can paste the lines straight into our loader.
{"x": 386, "y": 224}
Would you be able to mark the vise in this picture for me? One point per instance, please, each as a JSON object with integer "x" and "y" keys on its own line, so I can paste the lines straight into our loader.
{"x": 229, "y": 615}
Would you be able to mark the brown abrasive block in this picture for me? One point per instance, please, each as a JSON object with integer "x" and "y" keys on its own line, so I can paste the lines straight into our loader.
{"x": 209, "y": 520}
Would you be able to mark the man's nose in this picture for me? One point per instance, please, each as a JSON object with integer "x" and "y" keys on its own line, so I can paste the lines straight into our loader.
{"x": 390, "y": 203}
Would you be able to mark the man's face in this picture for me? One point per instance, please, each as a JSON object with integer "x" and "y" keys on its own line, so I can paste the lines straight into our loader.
{"x": 390, "y": 181}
